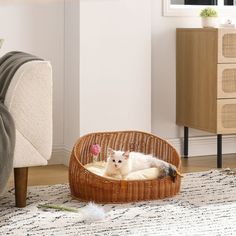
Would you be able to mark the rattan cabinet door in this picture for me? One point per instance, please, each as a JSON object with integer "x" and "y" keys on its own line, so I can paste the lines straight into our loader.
{"x": 226, "y": 81}
{"x": 227, "y": 46}
{"x": 226, "y": 116}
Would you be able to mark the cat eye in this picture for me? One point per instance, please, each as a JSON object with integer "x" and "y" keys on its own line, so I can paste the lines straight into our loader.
{"x": 113, "y": 160}
{"x": 119, "y": 161}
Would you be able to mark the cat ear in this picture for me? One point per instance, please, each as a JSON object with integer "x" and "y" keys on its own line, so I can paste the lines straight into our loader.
{"x": 126, "y": 154}
{"x": 110, "y": 152}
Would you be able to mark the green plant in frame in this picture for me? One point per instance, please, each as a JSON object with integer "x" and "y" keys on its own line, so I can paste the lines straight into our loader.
{"x": 208, "y": 12}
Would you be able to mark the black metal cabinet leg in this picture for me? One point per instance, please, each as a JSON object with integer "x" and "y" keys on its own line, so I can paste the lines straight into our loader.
{"x": 219, "y": 150}
{"x": 185, "y": 142}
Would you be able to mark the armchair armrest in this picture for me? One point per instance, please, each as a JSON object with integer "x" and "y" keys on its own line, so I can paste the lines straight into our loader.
{"x": 29, "y": 100}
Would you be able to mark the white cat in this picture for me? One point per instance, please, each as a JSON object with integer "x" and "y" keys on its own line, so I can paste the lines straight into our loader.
{"x": 123, "y": 163}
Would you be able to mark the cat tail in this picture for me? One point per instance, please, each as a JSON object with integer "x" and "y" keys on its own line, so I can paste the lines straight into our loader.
{"x": 167, "y": 169}
{"x": 173, "y": 172}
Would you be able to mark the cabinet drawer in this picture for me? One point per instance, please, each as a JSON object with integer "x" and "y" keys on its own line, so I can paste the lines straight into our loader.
{"x": 226, "y": 116}
{"x": 226, "y": 81}
{"x": 227, "y": 46}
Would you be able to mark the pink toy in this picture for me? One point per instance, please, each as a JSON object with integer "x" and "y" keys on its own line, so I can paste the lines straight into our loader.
{"x": 95, "y": 150}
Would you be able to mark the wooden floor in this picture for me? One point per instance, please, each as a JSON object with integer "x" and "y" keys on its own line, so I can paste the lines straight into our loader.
{"x": 45, "y": 175}
{"x": 55, "y": 174}
{"x": 196, "y": 164}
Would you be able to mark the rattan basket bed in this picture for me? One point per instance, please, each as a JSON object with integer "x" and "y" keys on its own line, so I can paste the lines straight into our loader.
{"x": 88, "y": 186}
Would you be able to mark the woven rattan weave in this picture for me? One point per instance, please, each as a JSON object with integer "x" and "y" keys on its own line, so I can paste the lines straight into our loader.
{"x": 88, "y": 186}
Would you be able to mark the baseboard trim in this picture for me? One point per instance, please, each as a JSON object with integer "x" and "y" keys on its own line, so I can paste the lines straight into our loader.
{"x": 207, "y": 145}
{"x": 198, "y": 146}
{"x": 60, "y": 155}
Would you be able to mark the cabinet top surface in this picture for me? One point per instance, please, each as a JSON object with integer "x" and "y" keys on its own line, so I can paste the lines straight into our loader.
{"x": 205, "y": 29}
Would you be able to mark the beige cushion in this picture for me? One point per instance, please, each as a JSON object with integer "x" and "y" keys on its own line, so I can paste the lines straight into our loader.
{"x": 29, "y": 100}
{"x": 148, "y": 174}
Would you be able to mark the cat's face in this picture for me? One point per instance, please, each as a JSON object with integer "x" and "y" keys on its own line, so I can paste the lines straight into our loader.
{"x": 117, "y": 158}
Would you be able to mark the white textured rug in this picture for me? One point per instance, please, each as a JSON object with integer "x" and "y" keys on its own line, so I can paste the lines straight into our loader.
{"x": 205, "y": 206}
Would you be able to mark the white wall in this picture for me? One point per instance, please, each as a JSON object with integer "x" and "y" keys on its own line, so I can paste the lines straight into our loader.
{"x": 107, "y": 84}
{"x": 163, "y": 71}
{"x": 72, "y": 73}
{"x": 39, "y": 29}
{"x": 115, "y": 65}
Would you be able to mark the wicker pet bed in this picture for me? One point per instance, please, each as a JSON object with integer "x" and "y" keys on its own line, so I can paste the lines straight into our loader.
{"x": 88, "y": 186}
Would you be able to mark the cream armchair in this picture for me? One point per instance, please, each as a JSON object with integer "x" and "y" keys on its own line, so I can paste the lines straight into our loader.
{"x": 29, "y": 100}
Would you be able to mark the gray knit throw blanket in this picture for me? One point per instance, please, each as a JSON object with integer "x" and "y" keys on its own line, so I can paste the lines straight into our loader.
{"x": 9, "y": 64}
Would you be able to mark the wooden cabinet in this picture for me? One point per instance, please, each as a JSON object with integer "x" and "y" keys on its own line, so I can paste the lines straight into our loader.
{"x": 206, "y": 79}
{"x": 206, "y": 82}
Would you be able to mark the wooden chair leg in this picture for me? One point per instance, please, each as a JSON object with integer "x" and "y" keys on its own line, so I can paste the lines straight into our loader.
{"x": 21, "y": 179}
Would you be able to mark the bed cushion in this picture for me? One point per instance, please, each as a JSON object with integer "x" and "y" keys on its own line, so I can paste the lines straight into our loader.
{"x": 146, "y": 174}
